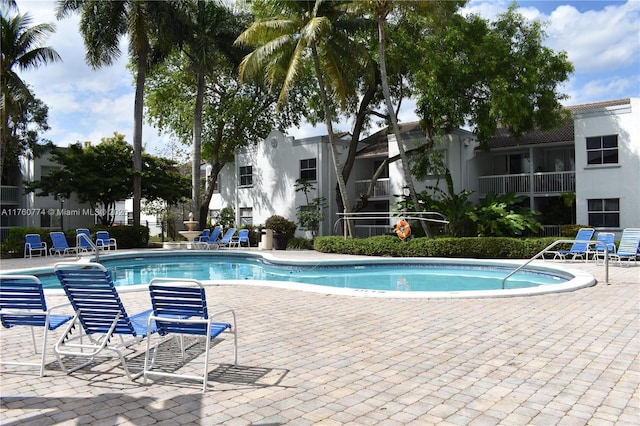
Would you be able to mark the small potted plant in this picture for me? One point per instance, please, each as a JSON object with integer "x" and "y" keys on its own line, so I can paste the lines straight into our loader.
{"x": 283, "y": 230}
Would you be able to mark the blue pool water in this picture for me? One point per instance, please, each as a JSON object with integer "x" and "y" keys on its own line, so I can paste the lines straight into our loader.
{"x": 381, "y": 275}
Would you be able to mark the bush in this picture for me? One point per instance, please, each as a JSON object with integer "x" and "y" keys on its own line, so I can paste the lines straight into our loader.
{"x": 14, "y": 243}
{"x": 471, "y": 247}
{"x": 298, "y": 243}
{"x": 281, "y": 225}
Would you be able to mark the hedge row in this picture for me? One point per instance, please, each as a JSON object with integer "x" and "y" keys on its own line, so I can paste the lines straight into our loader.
{"x": 469, "y": 247}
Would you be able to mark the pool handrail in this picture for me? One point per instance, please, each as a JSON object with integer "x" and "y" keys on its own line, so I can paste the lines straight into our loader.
{"x": 91, "y": 243}
{"x": 389, "y": 215}
{"x": 555, "y": 243}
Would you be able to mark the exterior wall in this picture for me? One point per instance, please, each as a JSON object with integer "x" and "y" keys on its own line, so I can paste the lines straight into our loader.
{"x": 275, "y": 163}
{"x": 620, "y": 180}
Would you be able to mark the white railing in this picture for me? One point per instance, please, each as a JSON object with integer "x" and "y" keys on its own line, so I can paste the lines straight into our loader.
{"x": 380, "y": 189}
{"x": 543, "y": 183}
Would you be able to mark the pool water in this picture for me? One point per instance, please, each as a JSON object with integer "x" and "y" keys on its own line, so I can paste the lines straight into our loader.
{"x": 397, "y": 276}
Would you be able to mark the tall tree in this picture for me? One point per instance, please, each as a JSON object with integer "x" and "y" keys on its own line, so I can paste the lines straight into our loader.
{"x": 287, "y": 35}
{"x": 102, "y": 24}
{"x": 21, "y": 50}
{"x": 211, "y": 30}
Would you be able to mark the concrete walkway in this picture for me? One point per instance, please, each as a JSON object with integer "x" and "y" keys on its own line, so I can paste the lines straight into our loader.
{"x": 317, "y": 359}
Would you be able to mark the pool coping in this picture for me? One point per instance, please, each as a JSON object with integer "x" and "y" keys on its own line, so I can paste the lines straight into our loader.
{"x": 581, "y": 279}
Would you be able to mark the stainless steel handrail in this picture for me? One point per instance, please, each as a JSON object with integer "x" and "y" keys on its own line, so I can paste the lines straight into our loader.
{"x": 555, "y": 243}
{"x": 91, "y": 243}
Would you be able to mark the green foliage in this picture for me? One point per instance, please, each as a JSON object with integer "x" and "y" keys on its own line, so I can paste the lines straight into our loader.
{"x": 136, "y": 236}
{"x": 299, "y": 243}
{"x": 312, "y": 213}
{"x": 471, "y": 247}
{"x": 479, "y": 73}
{"x": 14, "y": 243}
{"x": 501, "y": 215}
{"x": 570, "y": 231}
{"x": 226, "y": 217}
{"x": 281, "y": 225}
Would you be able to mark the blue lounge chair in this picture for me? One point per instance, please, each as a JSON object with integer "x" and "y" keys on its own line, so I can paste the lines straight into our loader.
{"x": 597, "y": 251}
{"x": 105, "y": 242}
{"x": 22, "y": 303}
{"x": 83, "y": 240}
{"x": 211, "y": 241}
{"x": 179, "y": 309}
{"x": 60, "y": 246}
{"x": 227, "y": 239}
{"x": 99, "y": 317}
{"x": 240, "y": 239}
{"x": 33, "y": 243}
{"x": 578, "y": 248}
{"x": 629, "y": 246}
{"x": 203, "y": 237}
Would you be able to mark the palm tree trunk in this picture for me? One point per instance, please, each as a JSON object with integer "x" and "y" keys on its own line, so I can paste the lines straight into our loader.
{"x": 197, "y": 150}
{"x": 394, "y": 120}
{"x": 137, "y": 134}
{"x": 334, "y": 155}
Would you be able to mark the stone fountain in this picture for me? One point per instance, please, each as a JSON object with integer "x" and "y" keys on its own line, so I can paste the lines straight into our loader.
{"x": 190, "y": 234}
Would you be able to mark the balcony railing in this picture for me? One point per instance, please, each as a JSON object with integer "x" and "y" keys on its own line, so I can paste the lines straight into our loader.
{"x": 381, "y": 188}
{"x": 9, "y": 195}
{"x": 524, "y": 183}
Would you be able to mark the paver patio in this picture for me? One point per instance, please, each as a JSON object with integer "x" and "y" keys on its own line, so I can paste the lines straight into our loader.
{"x": 312, "y": 358}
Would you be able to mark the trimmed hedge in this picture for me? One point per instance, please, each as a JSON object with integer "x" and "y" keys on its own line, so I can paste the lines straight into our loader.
{"x": 470, "y": 247}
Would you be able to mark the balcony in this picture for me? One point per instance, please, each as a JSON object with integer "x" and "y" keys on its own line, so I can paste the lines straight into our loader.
{"x": 380, "y": 190}
{"x": 9, "y": 195}
{"x": 526, "y": 183}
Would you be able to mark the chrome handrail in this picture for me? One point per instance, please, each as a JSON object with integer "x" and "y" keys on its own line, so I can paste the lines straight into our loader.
{"x": 555, "y": 243}
{"x": 91, "y": 243}
{"x": 389, "y": 215}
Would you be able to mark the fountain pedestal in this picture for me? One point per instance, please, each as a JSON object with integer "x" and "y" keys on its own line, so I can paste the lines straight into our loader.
{"x": 190, "y": 234}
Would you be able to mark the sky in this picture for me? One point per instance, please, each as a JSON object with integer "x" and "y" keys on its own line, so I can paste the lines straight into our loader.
{"x": 601, "y": 38}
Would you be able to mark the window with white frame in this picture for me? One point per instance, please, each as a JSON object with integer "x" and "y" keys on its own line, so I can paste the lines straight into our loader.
{"x": 246, "y": 216}
{"x": 604, "y": 212}
{"x": 308, "y": 169}
{"x": 246, "y": 175}
{"x": 602, "y": 150}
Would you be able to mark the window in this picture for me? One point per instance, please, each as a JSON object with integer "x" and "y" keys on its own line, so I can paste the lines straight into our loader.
{"x": 308, "y": 169}
{"x": 246, "y": 176}
{"x": 246, "y": 216}
{"x": 604, "y": 213}
{"x": 602, "y": 149}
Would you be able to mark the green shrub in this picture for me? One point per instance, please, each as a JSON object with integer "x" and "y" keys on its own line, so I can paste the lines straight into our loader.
{"x": 470, "y": 247}
{"x": 126, "y": 236}
{"x": 299, "y": 243}
{"x": 13, "y": 245}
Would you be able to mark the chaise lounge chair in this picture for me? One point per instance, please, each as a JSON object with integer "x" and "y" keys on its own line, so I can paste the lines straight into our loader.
{"x": 105, "y": 242}
{"x": 179, "y": 309}
{"x": 597, "y": 251}
{"x": 628, "y": 247}
{"x": 227, "y": 239}
{"x": 22, "y": 303}
{"x": 101, "y": 321}
{"x": 83, "y": 240}
{"x": 211, "y": 241}
{"x": 33, "y": 243}
{"x": 578, "y": 248}
{"x": 60, "y": 245}
{"x": 240, "y": 239}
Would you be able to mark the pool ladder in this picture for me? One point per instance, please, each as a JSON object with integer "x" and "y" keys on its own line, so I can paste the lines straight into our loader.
{"x": 555, "y": 243}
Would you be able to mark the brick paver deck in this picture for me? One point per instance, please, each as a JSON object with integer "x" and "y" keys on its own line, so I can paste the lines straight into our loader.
{"x": 317, "y": 359}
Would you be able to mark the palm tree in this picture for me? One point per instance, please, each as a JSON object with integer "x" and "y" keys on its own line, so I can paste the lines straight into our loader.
{"x": 292, "y": 34}
{"x": 102, "y": 25}
{"x": 209, "y": 40}
{"x": 21, "y": 50}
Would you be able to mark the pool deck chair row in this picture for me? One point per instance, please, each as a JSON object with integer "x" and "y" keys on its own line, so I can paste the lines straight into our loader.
{"x": 179, "y": 310}
{"x": 629, "y": 247}
{"x": 22, "y": 303}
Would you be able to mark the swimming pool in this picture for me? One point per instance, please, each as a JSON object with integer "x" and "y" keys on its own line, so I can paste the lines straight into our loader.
{"x": 399, "y": 277}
